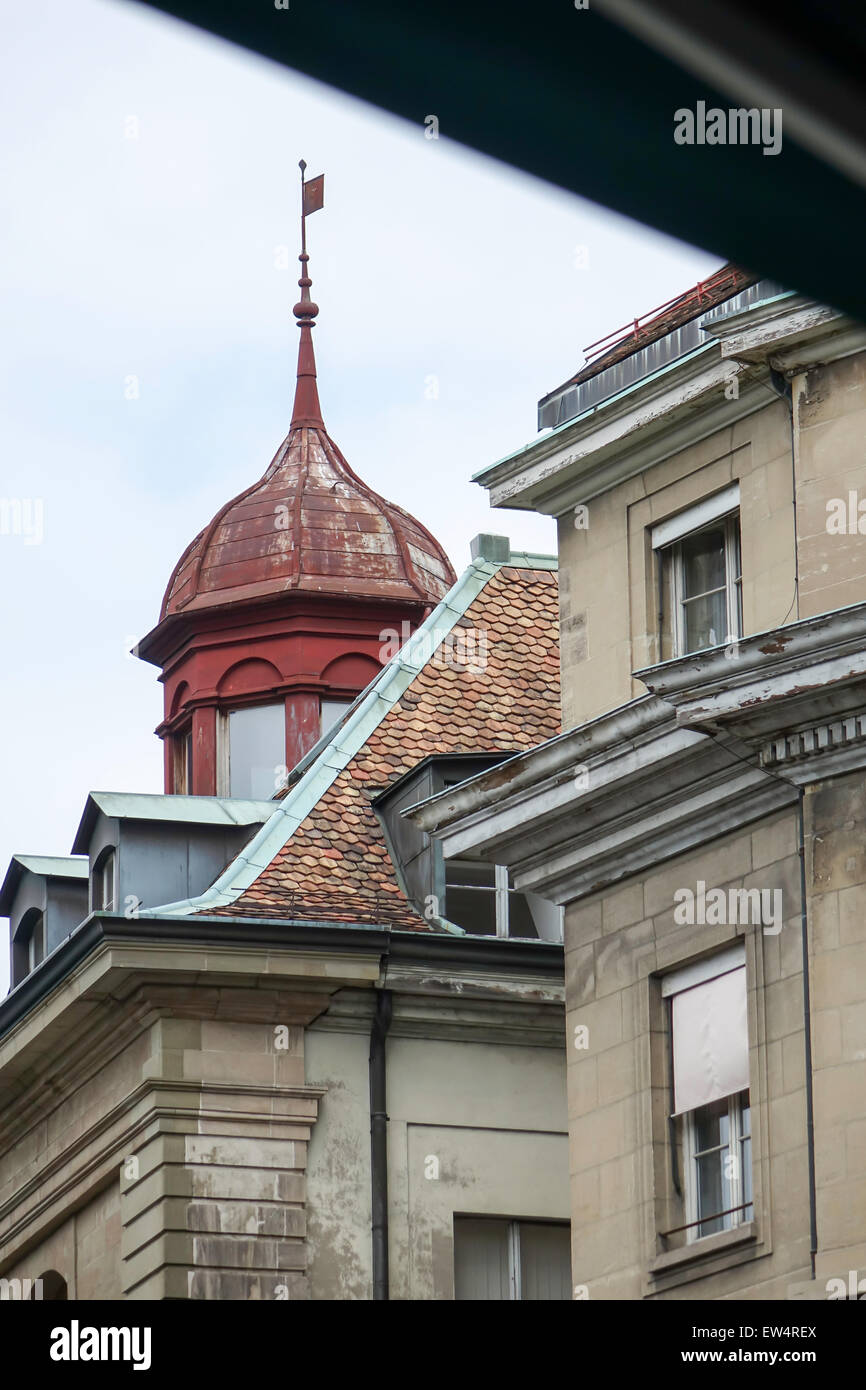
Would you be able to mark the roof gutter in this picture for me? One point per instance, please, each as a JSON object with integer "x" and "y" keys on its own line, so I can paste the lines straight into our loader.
{"x": 491, "y": 954}
{"x": 102, "y": 928}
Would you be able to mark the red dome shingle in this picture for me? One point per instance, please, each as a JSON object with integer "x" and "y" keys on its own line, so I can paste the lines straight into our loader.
{"x": 309, "y": 524}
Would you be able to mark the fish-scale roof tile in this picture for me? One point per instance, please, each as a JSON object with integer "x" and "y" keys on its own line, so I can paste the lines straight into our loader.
{"x": 336, "y": 866}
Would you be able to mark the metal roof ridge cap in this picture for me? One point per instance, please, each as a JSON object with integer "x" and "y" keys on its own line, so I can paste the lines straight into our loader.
{"x": 305, "y": 794}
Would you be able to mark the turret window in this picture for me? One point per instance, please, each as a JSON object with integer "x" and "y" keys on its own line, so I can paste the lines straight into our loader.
{"x": 332, "y": 713}
{"x": 183, "y": 763}
{"x": 256, "y": 751}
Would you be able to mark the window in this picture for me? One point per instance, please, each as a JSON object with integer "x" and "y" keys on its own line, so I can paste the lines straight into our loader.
{"x": 718, "y": 1144}
{"x": 36, "y": 942}
{"x": 481, "y": 898}
{"x": 701, "y": 576}
{"x": 104, "y": 882}
{"x": 332, "y": 713}
{"x": 256, "y": 751}
{"x": 183, "y": 763}
{"x": 51, "y": 1286}
{"x": 710, "y": 1063}
{"x": 30, "y": 943}
{"x": 493, "y": 1259}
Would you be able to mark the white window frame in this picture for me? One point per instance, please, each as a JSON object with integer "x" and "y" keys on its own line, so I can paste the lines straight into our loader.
{"x": 695, "y": 518}
{"x": 182, "y": 753}
{"x": 501, "y": 892}
{"x": 673, "y": 555}
{"x": 737, "y": 1180}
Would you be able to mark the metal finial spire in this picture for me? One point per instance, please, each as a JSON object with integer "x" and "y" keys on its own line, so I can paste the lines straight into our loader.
{"x": 307, "y": 410}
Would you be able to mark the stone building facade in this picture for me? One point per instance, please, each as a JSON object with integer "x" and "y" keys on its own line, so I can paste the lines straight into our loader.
{"x": 261, "y": 1043}
{"x": 701, "y": 816}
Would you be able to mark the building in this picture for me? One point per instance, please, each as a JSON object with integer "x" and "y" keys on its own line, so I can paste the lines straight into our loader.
{"x": 701, "y": 817}
{"x": 262, "y": 1042}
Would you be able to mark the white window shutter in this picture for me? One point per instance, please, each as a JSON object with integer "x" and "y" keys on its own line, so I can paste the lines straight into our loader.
{"x": 693, "y": 518}
{"x": 711, "y": 1041}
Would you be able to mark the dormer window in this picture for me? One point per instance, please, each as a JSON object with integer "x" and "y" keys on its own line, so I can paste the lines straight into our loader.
{"x": 31, "y": 940}
{"x": 104, "y": 882}
{"x": 479, "y": 897}
{"x": 701, "y": 576}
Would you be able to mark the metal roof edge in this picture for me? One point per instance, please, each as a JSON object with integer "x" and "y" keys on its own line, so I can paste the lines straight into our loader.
{"x": 168, "y": 808}
{"x": 549, "y": 435}
{"x": 384, "y": 692}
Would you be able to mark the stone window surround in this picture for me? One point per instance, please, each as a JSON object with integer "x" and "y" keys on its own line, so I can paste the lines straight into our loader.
{"x": 669, "y": 1268}
{"x": 668, "y": 499}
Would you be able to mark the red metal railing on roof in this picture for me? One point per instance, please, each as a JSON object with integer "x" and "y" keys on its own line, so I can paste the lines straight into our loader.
{"x": 725, "y": 278}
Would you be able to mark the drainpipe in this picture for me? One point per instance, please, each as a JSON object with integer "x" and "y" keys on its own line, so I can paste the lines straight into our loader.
{"x": 807, "y": 1038}
{"x": 379, "y": 1143}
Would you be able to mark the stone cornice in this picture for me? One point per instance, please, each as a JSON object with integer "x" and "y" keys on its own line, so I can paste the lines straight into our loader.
{"x": 722, "y": 741}
{"x": 524, "y": 1014}
{"x": 123, "y": 986}
{"x": 767, "y": 682}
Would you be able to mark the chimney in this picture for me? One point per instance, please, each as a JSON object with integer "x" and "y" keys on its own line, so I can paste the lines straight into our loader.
{"x": 496, "y": 549}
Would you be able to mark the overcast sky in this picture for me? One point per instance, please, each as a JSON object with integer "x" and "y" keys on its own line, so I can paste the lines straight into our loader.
{"x": 148, "y": 206}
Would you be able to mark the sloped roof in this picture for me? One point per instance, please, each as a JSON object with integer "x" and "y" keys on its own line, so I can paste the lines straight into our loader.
{"x": 45, "y": 866}
{"x": 323, "y": 854}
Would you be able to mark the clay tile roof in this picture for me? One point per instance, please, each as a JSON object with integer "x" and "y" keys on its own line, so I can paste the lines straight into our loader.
{"x": 503, "y": 697}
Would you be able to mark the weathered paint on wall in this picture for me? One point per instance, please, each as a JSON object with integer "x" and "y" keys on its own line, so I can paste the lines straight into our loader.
{"x": 473, "y": 1127}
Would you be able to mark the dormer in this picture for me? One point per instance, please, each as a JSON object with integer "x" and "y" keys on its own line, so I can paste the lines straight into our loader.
{"x": 145, "y": 851}
{"x": 45, "y": 899}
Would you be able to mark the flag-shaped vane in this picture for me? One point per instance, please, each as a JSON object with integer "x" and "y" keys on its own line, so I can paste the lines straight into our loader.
{"x": 314, "y": 194}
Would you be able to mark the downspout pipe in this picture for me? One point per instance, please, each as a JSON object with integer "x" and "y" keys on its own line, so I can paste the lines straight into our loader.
{"x": 379, "y": 1143}
{"x": 807, "y": 1030}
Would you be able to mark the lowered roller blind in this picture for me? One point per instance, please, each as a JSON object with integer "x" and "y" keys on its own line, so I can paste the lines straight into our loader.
{"x": 545, "y": 1261}
{"x": 693, "y": 518}
{"x": 711, "y": 1041}
{"x": 481, "y": 1263}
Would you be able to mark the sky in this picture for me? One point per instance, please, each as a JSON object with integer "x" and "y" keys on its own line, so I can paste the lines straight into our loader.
{"x": 148, "y": 241}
